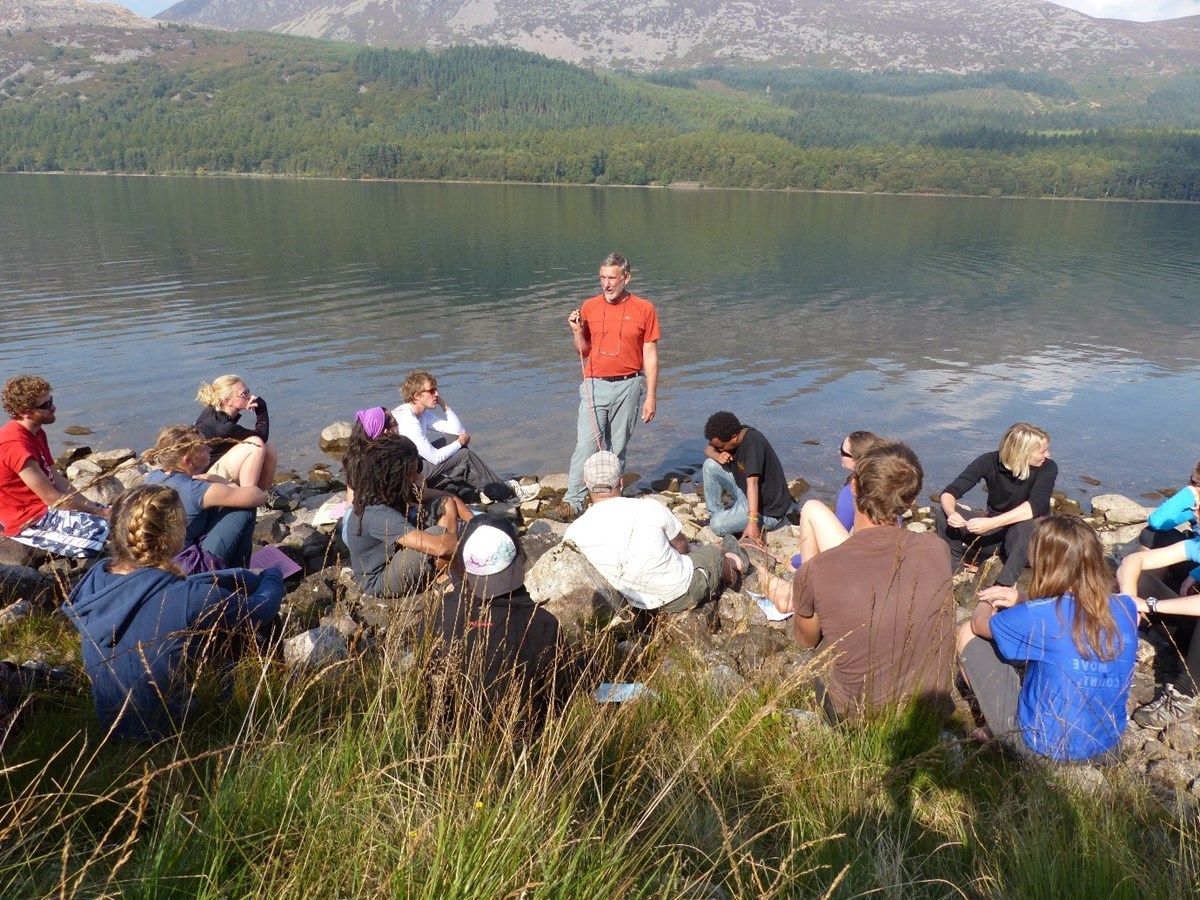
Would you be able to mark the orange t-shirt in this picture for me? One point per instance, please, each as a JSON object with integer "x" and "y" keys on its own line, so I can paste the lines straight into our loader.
{"x": 617, "y": 332}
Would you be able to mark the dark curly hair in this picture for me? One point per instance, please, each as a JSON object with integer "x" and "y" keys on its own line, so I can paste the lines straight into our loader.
{"x": 722, "y": 426}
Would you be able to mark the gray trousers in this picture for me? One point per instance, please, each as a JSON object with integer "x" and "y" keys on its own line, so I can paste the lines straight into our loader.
{"x": 618, "y": 407}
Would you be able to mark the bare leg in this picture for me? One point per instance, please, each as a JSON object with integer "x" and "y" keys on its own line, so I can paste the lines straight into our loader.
{"x": 776, "y": 589}
{"x": 266, "y": 477}
{"x": 244, "y": 465}
{"x": 819, "y": 529}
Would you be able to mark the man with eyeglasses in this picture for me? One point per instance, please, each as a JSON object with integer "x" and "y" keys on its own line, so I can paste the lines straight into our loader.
{"x": 450, "y": 464}
{"x": 38, "y": 507}
{"x": 616, "y": 336}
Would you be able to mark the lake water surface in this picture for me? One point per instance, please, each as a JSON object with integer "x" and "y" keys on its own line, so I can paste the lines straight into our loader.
{"x": 935, "y": 320}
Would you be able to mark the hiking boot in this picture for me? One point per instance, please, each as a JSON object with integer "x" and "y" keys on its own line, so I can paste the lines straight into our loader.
{"x": 564, "y": 512}
{"x": 1169, "y": 706}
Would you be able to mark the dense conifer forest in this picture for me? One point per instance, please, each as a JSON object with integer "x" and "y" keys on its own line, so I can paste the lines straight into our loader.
{"x": 267, "y": 104}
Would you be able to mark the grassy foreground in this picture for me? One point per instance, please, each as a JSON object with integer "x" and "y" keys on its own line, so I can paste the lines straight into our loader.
{"x": 345, "y": 785}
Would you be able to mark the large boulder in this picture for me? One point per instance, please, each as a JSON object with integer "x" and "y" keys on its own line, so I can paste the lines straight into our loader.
{"x": 336, "y": 436}
{"x": 315, "y": 648}
{"x": 25, "y": 583}
{"x": 110, "y": 459}
{"x": 1120, "y": 510}
{"x": 571, "y": 589}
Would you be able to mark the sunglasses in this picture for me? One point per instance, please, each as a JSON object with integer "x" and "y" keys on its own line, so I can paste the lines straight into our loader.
{"x": 845, "y": 453}
{"x": 49, "y": 403}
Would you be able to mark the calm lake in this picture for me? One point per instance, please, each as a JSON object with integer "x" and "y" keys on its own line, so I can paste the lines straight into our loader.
{"x": 936, "y": 320}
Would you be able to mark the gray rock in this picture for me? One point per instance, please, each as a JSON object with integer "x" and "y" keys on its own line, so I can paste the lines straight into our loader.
{"x": 84, "y": 471}
{"x": 342, "y": 621}
{"x": 110, "y": 459}
{"x": 570, "y": 589}
{"x": 132, "y": 475}
{"x": 285, "y": 496}
{"x": 313, "y": 502}
{"x": 1122, "y": 538}
{"x": 300, "y": 516}
{"x": 15, "y": 612}
{"x": 724, "y": 680}
{"x": 316, "y": 648}
{"x": 1120, "y": 510}
{"x": 297, "y": 535}
{"x": 104, "y": 490}
{"x": 13, "y": 553}
{"x": 1180, "y": 737}
{"x": 557, "y": 482}
{"x": 269, "y": 528}
{"x": 918, "y": 527}
{"x": 1174, "y": 773}
{"x": 336, "y": 436}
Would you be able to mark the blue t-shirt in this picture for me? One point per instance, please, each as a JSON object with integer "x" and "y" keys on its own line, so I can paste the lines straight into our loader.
{"x": 1071, "y": 707}
{"x": 191, "y": 492}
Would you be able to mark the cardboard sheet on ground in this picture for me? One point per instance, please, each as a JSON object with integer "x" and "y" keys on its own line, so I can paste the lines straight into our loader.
{"x": 330, "y": 511}
{"x": 611, "y": 692}
{"x": 768, "y": 608}
{"x": 271, "y": 557}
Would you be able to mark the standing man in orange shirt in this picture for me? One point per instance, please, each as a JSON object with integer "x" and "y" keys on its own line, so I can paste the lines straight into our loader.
{"x": 616, "y": 333}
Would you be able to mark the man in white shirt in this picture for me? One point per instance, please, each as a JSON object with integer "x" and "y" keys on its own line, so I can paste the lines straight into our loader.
{"x": 449, "y": 463}
{"x": 637, "y": 544}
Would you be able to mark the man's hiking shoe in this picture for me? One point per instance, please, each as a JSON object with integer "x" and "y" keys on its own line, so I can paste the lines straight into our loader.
{"x": 1169, "y": 706}
{"x": 564, "y": 512}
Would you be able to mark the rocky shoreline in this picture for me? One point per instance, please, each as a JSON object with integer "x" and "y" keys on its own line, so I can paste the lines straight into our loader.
{"x": 327, "y": 618}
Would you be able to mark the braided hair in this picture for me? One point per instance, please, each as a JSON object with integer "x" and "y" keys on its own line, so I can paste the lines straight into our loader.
{"x": 174, "y": 443}
{"x": 148, "y": 524}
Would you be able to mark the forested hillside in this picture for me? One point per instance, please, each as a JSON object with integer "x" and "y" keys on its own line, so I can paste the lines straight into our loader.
{"x": 210, "y": 102}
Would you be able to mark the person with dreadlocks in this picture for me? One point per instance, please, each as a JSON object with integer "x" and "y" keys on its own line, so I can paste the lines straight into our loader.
{"x": 393, "y": 537}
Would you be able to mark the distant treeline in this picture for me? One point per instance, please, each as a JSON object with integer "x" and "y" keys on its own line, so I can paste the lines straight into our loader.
{"x": 268, "y": 104}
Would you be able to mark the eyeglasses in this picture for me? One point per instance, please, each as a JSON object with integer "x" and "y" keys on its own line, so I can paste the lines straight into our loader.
{"x": 243, "y": 394}
{"x": 49, "y": 403}
{"x": 429, "y": 390}
{"x": 846, "y": 453}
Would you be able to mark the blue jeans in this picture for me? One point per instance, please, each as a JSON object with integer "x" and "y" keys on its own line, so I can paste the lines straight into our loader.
{"x": 618, "y": 406}
{"x": 733, "y": 519}
{"x": 231, "y": 535}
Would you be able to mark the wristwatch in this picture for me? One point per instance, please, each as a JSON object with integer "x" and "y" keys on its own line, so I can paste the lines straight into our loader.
{"x": 1152, "y": 605}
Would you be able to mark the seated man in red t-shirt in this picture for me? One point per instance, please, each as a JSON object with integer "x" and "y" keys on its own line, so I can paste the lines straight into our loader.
{"x": 38, "y": 507}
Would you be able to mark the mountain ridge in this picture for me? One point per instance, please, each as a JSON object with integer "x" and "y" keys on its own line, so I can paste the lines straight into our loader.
{"x": 951, "y": 36}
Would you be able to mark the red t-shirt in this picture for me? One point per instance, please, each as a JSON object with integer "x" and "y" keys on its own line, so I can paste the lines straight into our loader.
{"x": 19, "y": 505}
{"x": 617, "y": 332}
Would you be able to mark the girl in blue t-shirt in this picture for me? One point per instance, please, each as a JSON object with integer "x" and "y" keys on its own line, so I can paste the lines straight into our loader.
{"x": 1077, "y": 642}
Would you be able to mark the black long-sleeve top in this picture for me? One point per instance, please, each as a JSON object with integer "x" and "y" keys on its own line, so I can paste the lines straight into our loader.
{"x": 1005, "y": 490}
{"x": 223, "y": 430}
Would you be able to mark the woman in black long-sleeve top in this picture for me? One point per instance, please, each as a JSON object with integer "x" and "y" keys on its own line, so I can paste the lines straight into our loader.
{"x": 240, "y": 455}
{"x": 1019, "y": 478}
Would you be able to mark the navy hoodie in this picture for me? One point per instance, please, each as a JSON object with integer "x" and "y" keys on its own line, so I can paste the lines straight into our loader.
{"x": 139, "y": 630}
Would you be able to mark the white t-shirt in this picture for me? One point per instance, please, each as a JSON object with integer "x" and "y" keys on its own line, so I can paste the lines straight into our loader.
{"x": 628, "y": 539}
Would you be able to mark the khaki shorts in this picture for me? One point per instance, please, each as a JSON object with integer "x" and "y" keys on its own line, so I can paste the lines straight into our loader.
{"x": 221, "y": 466}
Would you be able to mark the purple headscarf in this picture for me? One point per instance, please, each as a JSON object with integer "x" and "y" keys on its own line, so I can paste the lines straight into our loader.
{"x": 373, "y": 420}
